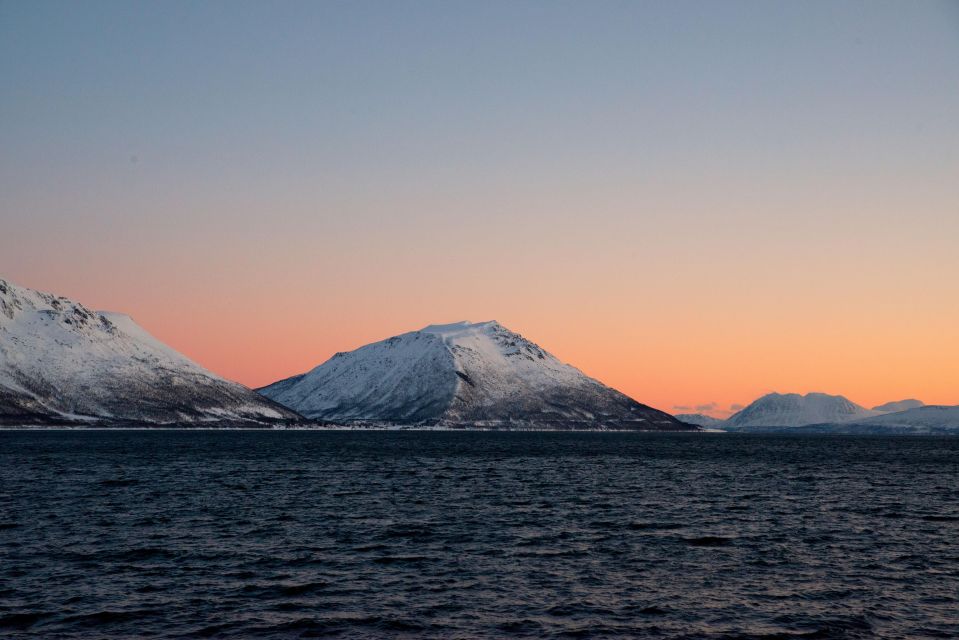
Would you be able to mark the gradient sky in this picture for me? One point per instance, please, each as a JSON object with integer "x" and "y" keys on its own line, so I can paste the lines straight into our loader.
{"x": 696, "y": 202}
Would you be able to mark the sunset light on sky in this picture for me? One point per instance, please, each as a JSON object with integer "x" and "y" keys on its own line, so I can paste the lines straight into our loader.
{"x": 694, "y": 202}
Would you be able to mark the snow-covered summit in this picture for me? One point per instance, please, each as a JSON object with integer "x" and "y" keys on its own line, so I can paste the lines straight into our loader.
{"x": 794, "y": 410}
{"x": 461, "y": 375}
{"x": 60, "y": 361}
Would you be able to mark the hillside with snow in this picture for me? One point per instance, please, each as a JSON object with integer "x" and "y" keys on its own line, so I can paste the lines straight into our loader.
{"x": 462, "y": 375}
{"x": 899, "y": 405}
{"x": 61, "y": 362}
{"x": 795, "y": 410}
{"x": 926, "y": 419}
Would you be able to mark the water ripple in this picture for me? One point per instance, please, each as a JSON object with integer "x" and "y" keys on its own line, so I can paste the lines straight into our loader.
{"x": 477, "y": 535}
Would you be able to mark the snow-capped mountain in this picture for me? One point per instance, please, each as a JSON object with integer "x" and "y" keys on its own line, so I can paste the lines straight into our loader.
{"x": 60, "y": 361}
{"x": 899, "y": 405}
{"x": 462, "y": 375}
{"x": 794, "y": 410}
{"x": 700, "y": 420}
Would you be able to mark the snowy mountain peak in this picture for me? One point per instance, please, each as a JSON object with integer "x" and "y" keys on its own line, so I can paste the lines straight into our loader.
{"x": 61, "y": 361}
{"x": 461, "y": 374}
{"x": 793, "y": 410}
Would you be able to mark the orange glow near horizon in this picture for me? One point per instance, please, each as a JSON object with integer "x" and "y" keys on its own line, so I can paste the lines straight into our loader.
{"x": 709, "y": 351}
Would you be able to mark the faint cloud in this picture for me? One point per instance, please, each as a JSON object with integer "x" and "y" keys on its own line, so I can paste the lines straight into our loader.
{"x": 736, "y": 407}
{"x": 681, "y": 407}
{"x": 709, "y": 406}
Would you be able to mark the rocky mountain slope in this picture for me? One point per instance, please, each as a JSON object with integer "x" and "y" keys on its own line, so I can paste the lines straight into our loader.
{"x": 61, "y": 362}
{"x": 462, "y": 375}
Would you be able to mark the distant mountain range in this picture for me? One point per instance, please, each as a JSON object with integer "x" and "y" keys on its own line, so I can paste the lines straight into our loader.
{"x": 824, "y": 413}
{"x": 700, "y": 419}
{"x": 925, "y": 420}
{"x": 462, "y": 375}
{"x": 61, "y": 363}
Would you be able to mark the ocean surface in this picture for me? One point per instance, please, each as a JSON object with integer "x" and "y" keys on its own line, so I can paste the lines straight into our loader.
{"x": 175, "y": 534}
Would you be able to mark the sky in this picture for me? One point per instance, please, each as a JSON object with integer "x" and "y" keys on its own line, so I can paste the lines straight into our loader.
{"x": 695, "y": 202}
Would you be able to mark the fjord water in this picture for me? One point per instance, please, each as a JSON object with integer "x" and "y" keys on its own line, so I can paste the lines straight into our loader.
{"x": 444, "y": 534}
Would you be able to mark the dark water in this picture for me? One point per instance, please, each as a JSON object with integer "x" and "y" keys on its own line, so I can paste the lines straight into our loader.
{"x": 314, "y": 534}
